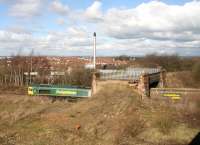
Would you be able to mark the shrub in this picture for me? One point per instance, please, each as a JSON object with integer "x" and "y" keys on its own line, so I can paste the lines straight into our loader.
{"x": 164, "y": 124}
{"x": 164, "y": 120}
{"x": 81, "y": 77}
{"x": 169, "y": 62}
{"x": 196, "y": 72}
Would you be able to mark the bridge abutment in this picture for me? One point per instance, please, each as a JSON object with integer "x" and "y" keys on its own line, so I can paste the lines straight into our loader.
{"x": 143, "y": 86}
{"x": 162, "y": 83}
{"x": 146, "y": 79}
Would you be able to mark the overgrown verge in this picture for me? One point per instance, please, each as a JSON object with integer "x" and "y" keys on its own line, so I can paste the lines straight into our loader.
{"x": 114, "y": 116}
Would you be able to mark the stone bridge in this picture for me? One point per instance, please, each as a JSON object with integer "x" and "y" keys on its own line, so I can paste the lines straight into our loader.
{"x": 150, "y": 83}
{"x": 151, "y": 80}
{"x": 141, "y": 78}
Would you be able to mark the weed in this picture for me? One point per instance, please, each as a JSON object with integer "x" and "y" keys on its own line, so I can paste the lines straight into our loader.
{"x": 164, "y": 124}
{"x": 130, "y": 126}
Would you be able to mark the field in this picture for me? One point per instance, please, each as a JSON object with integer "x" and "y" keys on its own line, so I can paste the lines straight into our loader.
{"x": 114, "y": 116}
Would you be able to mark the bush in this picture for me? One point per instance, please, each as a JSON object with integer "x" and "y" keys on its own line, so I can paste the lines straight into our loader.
{"x": 164, "y": 120}
{"x": 164, "y": 124}
{"x": 196, "y": 72}
{"x": 81, "y": 77}
{"x": 169, "y": 62}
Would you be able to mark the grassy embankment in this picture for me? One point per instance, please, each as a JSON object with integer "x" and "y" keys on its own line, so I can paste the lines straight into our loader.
{"x": 114, "y": 116}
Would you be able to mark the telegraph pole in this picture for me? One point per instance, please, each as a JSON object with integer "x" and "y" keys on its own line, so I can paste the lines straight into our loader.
{"x": 94, "y": 51}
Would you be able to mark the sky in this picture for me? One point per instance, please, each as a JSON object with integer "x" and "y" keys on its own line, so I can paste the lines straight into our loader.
{"x": 123, "y": 27}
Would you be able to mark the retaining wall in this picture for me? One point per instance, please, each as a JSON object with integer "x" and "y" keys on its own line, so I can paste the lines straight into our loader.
{"x": 182, "y": 96}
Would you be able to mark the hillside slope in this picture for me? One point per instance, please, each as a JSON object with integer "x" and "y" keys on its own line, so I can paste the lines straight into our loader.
{"x": 114, "y": 116}
{"x": 182, "y": 79}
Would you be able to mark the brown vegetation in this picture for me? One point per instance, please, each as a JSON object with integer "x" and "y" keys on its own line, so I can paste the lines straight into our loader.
{"x": 196, "y": 72}
{"x": 182, "y": 79}
{"x": 12, "y": 69}
{"x": 185, "y": 69}
{"x": 114, "y": 116}
{"x": 12, "y": 72}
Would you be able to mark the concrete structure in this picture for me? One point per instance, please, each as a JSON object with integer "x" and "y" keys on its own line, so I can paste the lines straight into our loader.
{"x": 142, "y": 78}
{"x": 162, "y": 82}
{"x": 148, "y": 80}
{"x": 179, "y": 96}
{"x": 94, "y": 83}
{"x": 143, "y": 85}
{"x": 94, "y": 51}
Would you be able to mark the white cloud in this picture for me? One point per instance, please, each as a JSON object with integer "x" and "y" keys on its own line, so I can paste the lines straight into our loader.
{"x": 18, "y": 29}
{"x": 93, "y": 12}
{"x": 14, "y": 37}
{"x": 60, "y": 21}
{"x": 150, "y": 27}
{"x": 154, "y": 20}
{"x": 59, "y": 8}
{"x": 74, "y": 39}
{"x": 26, "y": 8}
{"x": 77, "y": 32}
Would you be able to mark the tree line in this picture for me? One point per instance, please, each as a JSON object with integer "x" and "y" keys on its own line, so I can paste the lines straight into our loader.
{"x": 175, "y": 63}
{"x": 13, "y": 69}
{"x": 16, "y": 70}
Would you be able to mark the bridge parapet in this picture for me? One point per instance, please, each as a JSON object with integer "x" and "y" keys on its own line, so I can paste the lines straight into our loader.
{"x": 129, "y": 74}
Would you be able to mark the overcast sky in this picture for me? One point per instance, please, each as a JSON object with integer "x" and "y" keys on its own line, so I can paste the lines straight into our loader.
{"x": 124, "y": 27}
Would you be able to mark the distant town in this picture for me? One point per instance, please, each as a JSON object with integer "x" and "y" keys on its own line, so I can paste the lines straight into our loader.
{"x": 55, "y": 61}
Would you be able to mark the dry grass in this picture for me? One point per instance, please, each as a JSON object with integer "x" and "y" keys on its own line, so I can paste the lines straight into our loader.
{"x": 114, "y": 116}
{"x": 164, "y": 120}
{"x": 129, "y": 127}
{"x": 190, "y": 115}
{"x": 181, "y": 79}
{"x": 13, "y": 90}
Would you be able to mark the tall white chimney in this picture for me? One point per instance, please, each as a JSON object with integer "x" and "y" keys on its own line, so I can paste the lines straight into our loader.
{"x": 94, "y": 51}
